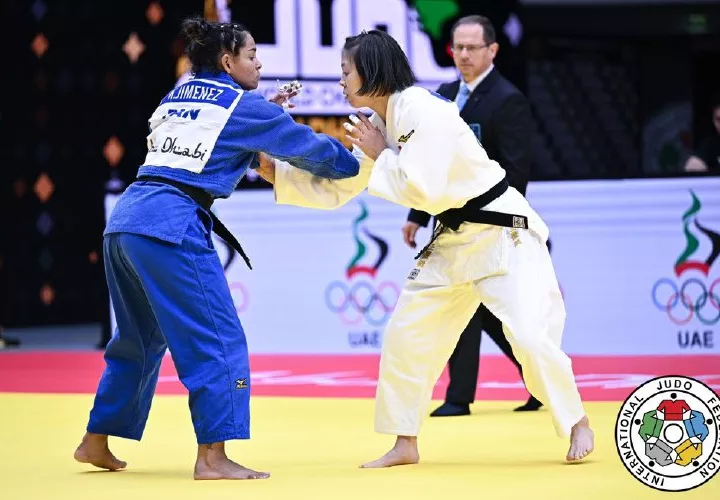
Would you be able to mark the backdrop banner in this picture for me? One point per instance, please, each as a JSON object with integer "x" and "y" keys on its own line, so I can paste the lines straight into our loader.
{"x": 637, "y": 261}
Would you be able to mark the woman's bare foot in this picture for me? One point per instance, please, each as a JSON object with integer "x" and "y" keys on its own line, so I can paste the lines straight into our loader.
{"x": 405, "y": 452}
{"x": 582, "y": 441}
{"x": 213, "y": 463}
{"x": 94, "y": 450}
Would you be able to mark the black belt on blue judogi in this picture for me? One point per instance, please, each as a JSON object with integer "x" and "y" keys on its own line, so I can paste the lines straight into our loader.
{"x": 473, "y": 211}
{"x": 205, "y": 200}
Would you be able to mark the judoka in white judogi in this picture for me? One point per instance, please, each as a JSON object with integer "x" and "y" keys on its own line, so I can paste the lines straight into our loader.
{"x": 430, "y": 160}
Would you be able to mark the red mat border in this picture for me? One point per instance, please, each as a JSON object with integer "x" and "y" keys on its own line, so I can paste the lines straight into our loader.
{"x": 600, "y": 378}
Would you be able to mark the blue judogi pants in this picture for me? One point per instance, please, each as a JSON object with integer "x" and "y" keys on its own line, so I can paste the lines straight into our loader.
{"x": 177, "y": 297}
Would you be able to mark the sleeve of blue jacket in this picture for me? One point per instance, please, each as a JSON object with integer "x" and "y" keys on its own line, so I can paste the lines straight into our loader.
{"x": 262, "y": 126}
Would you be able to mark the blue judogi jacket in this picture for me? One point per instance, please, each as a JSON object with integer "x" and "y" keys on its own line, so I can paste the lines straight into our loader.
{"x": 206, "y": 133}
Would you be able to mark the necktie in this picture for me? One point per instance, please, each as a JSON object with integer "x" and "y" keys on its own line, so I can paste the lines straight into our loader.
{"x": 462, "y": 96}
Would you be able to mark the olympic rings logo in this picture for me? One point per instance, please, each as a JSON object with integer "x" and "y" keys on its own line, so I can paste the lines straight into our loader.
{"x": 692, "y": 299}
{"x": 362, "y": 300}
{"x": 240, "y": 296}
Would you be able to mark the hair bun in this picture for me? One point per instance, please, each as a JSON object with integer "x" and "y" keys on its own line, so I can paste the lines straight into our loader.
{"x": 195, "y": 30}
{"x": 206, "y": 41}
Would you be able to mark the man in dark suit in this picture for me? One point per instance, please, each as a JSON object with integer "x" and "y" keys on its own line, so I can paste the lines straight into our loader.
{"x": 500, "y": 117}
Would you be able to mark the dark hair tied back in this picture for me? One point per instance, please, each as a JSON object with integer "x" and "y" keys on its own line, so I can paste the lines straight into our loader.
{"x": 206, "y": 41}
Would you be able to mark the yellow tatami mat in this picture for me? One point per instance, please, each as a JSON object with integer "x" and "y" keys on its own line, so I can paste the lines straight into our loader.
{"x": 312, "y": 447}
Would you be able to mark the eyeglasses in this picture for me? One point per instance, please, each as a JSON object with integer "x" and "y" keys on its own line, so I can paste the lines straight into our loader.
{"x": 470, "y": 48}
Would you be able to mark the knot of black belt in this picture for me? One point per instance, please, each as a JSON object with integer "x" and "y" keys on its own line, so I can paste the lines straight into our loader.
{"x": 473, "y": 211}
{"x": 205, "y": 200}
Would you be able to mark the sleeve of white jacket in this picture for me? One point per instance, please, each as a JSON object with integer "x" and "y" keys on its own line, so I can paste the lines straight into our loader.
{"x": 417, "y": 176}
{"x": 294, "y": 186}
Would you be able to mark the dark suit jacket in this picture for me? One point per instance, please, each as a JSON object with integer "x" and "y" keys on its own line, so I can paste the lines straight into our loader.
{"x": 500, "y": 116}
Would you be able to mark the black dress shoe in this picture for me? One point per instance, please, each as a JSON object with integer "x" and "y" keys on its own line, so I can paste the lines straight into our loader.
{"x": 451, "y": 410}
{"x": 531, "y": 405}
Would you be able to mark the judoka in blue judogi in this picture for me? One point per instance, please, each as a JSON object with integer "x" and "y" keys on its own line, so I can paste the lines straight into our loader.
{"x": 164, "y": 276}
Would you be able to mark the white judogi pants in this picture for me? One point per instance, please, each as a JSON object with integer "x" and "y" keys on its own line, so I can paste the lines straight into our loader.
{"x": 427, "y": 323}
{"x": 509, "y": 271}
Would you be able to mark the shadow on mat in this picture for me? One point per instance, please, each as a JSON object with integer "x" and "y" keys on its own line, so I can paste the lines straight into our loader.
{"x": 145, "y": 474}
{"x": 507, "y": 463}
{"x": 479, "y": 412}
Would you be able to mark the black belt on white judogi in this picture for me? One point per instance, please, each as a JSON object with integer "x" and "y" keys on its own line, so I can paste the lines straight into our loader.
{"x": 473, "y": 211}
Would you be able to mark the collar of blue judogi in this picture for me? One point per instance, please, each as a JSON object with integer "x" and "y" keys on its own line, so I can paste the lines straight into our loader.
{"x": 219, "y": 76}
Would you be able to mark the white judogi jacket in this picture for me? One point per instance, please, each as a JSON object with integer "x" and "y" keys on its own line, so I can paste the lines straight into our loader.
{"x": 434, "y": 162}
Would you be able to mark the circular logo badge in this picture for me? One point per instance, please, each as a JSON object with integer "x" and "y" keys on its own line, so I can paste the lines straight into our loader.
{"x": 668, "y": 433}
